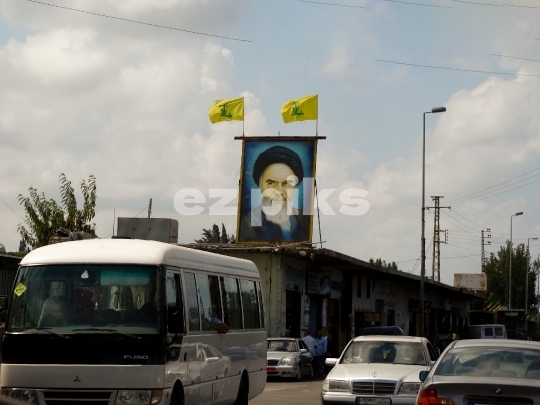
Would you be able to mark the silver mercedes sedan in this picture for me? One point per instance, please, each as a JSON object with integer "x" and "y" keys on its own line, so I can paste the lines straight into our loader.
{"x": 480, "y": 371}
{"x": 288, "y": 357}
{"x": 378, "y": 370}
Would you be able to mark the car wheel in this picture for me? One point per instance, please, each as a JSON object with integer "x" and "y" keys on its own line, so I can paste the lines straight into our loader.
{"x": 242, "y": 398}
{"x": 299, "y": 374}
{"x": 177, "y": 397}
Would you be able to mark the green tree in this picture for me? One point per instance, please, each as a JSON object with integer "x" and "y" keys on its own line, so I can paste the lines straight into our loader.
{"x": 214, "y": 236}
{"x": 44, "y": 217}
{"x": 382, "y": 263}
{"x": 497, "y": 271}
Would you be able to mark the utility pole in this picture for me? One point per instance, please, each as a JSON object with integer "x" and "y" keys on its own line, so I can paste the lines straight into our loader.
{"x": 150, "y": 208}
{"x": 436, "y": 272}
{"x": 484, "y": 243}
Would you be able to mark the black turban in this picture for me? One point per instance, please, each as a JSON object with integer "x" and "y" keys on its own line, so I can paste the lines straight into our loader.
{"x": 278, "y": 154}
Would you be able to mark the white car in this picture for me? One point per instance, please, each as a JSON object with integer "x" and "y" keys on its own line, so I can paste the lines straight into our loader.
{"x": 378, "y": 370}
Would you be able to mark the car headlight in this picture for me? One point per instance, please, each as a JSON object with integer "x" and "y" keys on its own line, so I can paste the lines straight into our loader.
{"x": 335, "y": 385}
{"x": 409, "y": 388}
{"x": 28, "y": 396}
{"x": 136, "y": 397}
{"x": 288, "y": 361}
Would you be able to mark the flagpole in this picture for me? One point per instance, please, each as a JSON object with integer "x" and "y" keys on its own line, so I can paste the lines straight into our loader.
{"x": 318, "y": 215}
{"x": 317, "y": 127}
{"x": 243, "y": 124}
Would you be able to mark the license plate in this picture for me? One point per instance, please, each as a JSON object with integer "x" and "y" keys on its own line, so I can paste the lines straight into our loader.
{"x": 270, "y": 369}
{"x": 373, "y": 401}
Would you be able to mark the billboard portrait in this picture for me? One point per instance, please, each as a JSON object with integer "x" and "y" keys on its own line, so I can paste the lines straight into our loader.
{"x": 276, "y": 190}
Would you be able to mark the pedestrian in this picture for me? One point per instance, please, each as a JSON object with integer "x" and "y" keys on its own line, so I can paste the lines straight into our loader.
{"x": 309, "y": 341}
{"x": 320, "y": 354}
{"x": 287, "y": 333}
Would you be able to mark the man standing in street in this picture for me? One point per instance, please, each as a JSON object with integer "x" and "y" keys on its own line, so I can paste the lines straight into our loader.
{"x": 319, "y": 355}
{"x": 309, "y": 341}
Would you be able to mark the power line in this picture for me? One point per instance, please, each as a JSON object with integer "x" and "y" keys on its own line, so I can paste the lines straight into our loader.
{"x": 140, "y": 211}
{"x": 481, "y": 192}
{"x": 417, "y": 4}
{"x": 11, "y": 209}
{"x": 470, "y": 227}
{"x": 140, "y": 22}
{"x": 515, "y": 57}
{"x": 494, "y": 5}
{"x": 493, "y": 195}
{"x": 449, "y": 68}
{"x": 481, "y": 226}
{"x": 330, "y": 4}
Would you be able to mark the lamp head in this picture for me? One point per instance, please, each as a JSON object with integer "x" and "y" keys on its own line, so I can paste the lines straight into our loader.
{"x": 518, "y": 213}
{"x": 438, "y": 109}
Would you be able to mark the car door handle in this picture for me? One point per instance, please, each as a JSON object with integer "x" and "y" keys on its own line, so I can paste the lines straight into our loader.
{"x": 212, "y": 359}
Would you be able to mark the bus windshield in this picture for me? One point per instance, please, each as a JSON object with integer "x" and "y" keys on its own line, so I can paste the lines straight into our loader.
{"x": 95, "y": 298}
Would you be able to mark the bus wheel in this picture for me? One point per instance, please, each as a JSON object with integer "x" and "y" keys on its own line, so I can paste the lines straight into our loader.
{"x": 242, "y": 398}
{"x": 177, "y": 397}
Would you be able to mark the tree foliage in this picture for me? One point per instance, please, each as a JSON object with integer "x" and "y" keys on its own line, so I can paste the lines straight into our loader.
{"x": 382, "y": 263}
{"x": 213, "y": 235}
{"x": 44, "y": 217}
{"x": 497, "y": 271}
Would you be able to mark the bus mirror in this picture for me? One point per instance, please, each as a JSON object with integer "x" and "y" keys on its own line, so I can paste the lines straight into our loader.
{"x": 3, "y": 308}
{"x": 175, "y": 319}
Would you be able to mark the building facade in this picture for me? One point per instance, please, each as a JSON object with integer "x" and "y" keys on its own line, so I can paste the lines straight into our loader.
{"x": 321, "y": 289}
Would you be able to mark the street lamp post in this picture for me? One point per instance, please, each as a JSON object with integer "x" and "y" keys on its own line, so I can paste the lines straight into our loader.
{"x": 527, "y": 278}
{"x": 510, "y": 268}
{"x": 434, "y": 110}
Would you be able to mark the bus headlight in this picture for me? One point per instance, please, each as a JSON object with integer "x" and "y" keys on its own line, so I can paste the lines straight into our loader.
{"x": 28, "y": 396}
{"x": 143, "y": 397}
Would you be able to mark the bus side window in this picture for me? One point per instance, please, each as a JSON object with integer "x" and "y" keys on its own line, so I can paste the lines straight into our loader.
{"x": 250, "y": 304}
{"x": 209, "y": 301}
{"x": 175, "y": 318}
{"x": 261, "y": 303}
{"x": 194, "y": 321}
{"x": 232, "y": 307}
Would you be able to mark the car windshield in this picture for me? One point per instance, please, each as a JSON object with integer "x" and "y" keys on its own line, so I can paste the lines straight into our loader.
{"x": 282, "y": 346}
{"x": 85, "y": 298}
{"x": 491, "y": 361}
{"x": 384, "y": 352}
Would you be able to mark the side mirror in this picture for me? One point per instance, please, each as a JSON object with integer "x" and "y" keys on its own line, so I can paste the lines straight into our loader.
{"x": 175, "y": 320}
{"x": 304, "y": 351}
{"x": 3, "y": 308}
{"x": 423, "y": 375}
{"x": 331, "y": 361}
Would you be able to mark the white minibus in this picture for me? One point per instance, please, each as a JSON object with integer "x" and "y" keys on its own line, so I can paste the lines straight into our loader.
{"x": 119, "y": 321}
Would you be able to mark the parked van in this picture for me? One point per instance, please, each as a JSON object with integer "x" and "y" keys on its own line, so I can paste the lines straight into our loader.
{"x": 486, "y": 332}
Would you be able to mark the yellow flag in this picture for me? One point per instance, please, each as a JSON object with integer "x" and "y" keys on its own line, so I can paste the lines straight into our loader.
{"x": 227, "y": 110}
{"x": 302, "y": 109}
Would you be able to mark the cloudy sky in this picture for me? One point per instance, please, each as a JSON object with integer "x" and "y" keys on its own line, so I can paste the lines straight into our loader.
{"x": 81, "y": 94}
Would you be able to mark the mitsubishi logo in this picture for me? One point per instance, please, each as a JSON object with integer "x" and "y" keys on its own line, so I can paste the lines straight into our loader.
{"x": 77, "y": 379}
{"x": 498, "y": 390}
{"x": 374, "y": 374}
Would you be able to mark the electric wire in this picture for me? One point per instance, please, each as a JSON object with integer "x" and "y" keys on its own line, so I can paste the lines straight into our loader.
{"x": 515, "y": 57}
{"x": 140, "y": 22}
{"x": 493, "y": 195}
{"x": 456, "y": 69}
{"x": 330, "y": 4}
{"x": 140, "y": 212}
{"x": 5, "y": 203}
{"x": 418, "y": 4}
{"x": 466, "y": 197}
{"x": 481, "y": 226}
